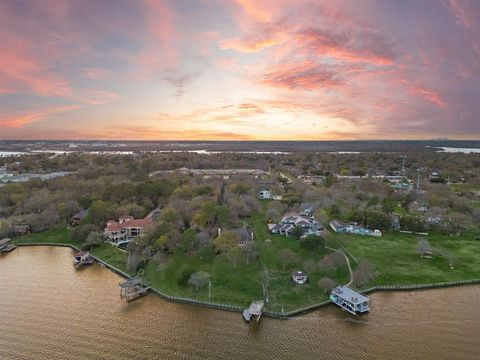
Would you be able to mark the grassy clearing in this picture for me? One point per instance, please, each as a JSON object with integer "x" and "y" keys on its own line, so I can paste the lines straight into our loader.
{"x": 397, "y": 261}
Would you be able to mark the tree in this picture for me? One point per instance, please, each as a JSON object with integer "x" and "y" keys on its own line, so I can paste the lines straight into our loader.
{"x": 94, "y": 238}
{"x": 326, "y": 284}
{"x": 199, "y": 279}
{"x": 326, "y": 264}
{"x": 226, "y": 241}
{"x": 287, "y": 257}
{"x": 423, "y": 247}
{"x": 297, "y": 232}
{"x": 312, "y": 242}
{"x": 309, "y": 266}
{"x": 364, "y": 273}
{"x": 80, "y": 233}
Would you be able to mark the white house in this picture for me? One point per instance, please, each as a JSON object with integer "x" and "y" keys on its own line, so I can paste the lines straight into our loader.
{"x": 299, "y": 277}
{"x": 265, "y": 194}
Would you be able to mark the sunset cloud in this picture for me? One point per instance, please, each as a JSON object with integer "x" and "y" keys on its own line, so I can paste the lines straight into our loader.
{"x": 239, "y": 69}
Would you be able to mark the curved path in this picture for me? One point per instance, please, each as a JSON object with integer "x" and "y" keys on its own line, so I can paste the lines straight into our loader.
{"x": 348, "y": 264}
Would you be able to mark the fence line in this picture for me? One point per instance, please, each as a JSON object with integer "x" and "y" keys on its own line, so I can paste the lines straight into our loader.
{"x": 270, "y": 313}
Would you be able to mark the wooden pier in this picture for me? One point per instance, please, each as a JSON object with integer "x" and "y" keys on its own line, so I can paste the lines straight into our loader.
{"x": 133, "y": 288}
{"x": 82, "y": 258}
{"x": 6, "y": 245}
{"x": 254, "y": 311}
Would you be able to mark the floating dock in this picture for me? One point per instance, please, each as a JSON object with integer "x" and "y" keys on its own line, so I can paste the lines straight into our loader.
{"x": 82, "y": 258}
{"x": 350, "y": 300}
{"x": 6, "y": 245}
{"x": 254, "y": 311}
{"x": 132, "y": 288}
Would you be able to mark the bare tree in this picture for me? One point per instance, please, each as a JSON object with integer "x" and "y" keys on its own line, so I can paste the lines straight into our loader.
{"x": 326, "y": 264}
{"x": 424, "y": 248}
{"x": 309, "y": 266}
{"x": 364, "y": 273}
{"x": 326, "y": 284}
{"x": 287, "y": 257}
{"x": 199, "y": 279}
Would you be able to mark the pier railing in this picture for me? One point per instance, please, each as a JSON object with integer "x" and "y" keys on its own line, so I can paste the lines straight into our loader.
{"x": 271, "y": 313}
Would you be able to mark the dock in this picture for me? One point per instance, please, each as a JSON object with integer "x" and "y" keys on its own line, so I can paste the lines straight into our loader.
{"x": 350, "y": 300}
{"x": 133, "y": 288}
{"x": 254, "y": 311}
{"x": 82, "y": 258}
{"x": 6, "y": 245}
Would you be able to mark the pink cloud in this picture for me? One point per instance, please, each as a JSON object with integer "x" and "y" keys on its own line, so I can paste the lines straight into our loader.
{"x": 430, "y": 95}
{"x": 22, "y": 120}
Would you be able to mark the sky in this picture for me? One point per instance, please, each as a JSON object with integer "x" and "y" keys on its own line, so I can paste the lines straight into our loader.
{"x": 239, "y": 69}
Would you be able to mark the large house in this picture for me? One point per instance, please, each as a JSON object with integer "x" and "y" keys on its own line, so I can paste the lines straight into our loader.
{"x": 309, "y": 225}
{"x": 125, "y": 229}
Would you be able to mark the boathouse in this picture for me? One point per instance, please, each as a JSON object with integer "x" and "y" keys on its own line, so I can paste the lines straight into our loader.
{"x": 132, "y": 288}
{"x": 82, "y": 258}
{"x": 350, "y": 300}
{"x": 254, "y": 311}
{"x": 6, "y": 245}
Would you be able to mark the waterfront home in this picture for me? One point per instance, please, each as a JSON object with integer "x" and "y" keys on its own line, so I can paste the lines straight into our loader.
{"x": 125, "y": 229}
{"x": 82, "y": 258}
{"x": 350, "y": 300}
{"x": 79, "y": 216}
{"x": 299, "y": 277}
{"x": 353, "y": 228}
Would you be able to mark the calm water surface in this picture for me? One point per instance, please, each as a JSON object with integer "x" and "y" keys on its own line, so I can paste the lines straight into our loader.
{"x": 49, "y": 310}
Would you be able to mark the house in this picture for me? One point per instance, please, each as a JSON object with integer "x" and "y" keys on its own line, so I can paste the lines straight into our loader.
{"x": 246, "y": 235}
{"x": 75, "y": 220}
{"x": 306, "y": 209}
{"x": 265, "y": 194}
{"x": 353, "y": 228}
{"x": 22, "y": 229}
{"x": 125, "y": 229}
{"x": 299, "y": 277}
{"x": 309, "y": 225}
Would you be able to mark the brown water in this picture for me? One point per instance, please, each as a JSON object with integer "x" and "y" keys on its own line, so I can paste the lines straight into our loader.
{"x": 49, "y": 310}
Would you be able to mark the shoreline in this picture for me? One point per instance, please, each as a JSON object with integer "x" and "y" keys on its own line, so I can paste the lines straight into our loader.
{"x": 273, "y": 314}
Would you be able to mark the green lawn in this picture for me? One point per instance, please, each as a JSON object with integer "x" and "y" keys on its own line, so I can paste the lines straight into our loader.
{"x": 397, "y": 261}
